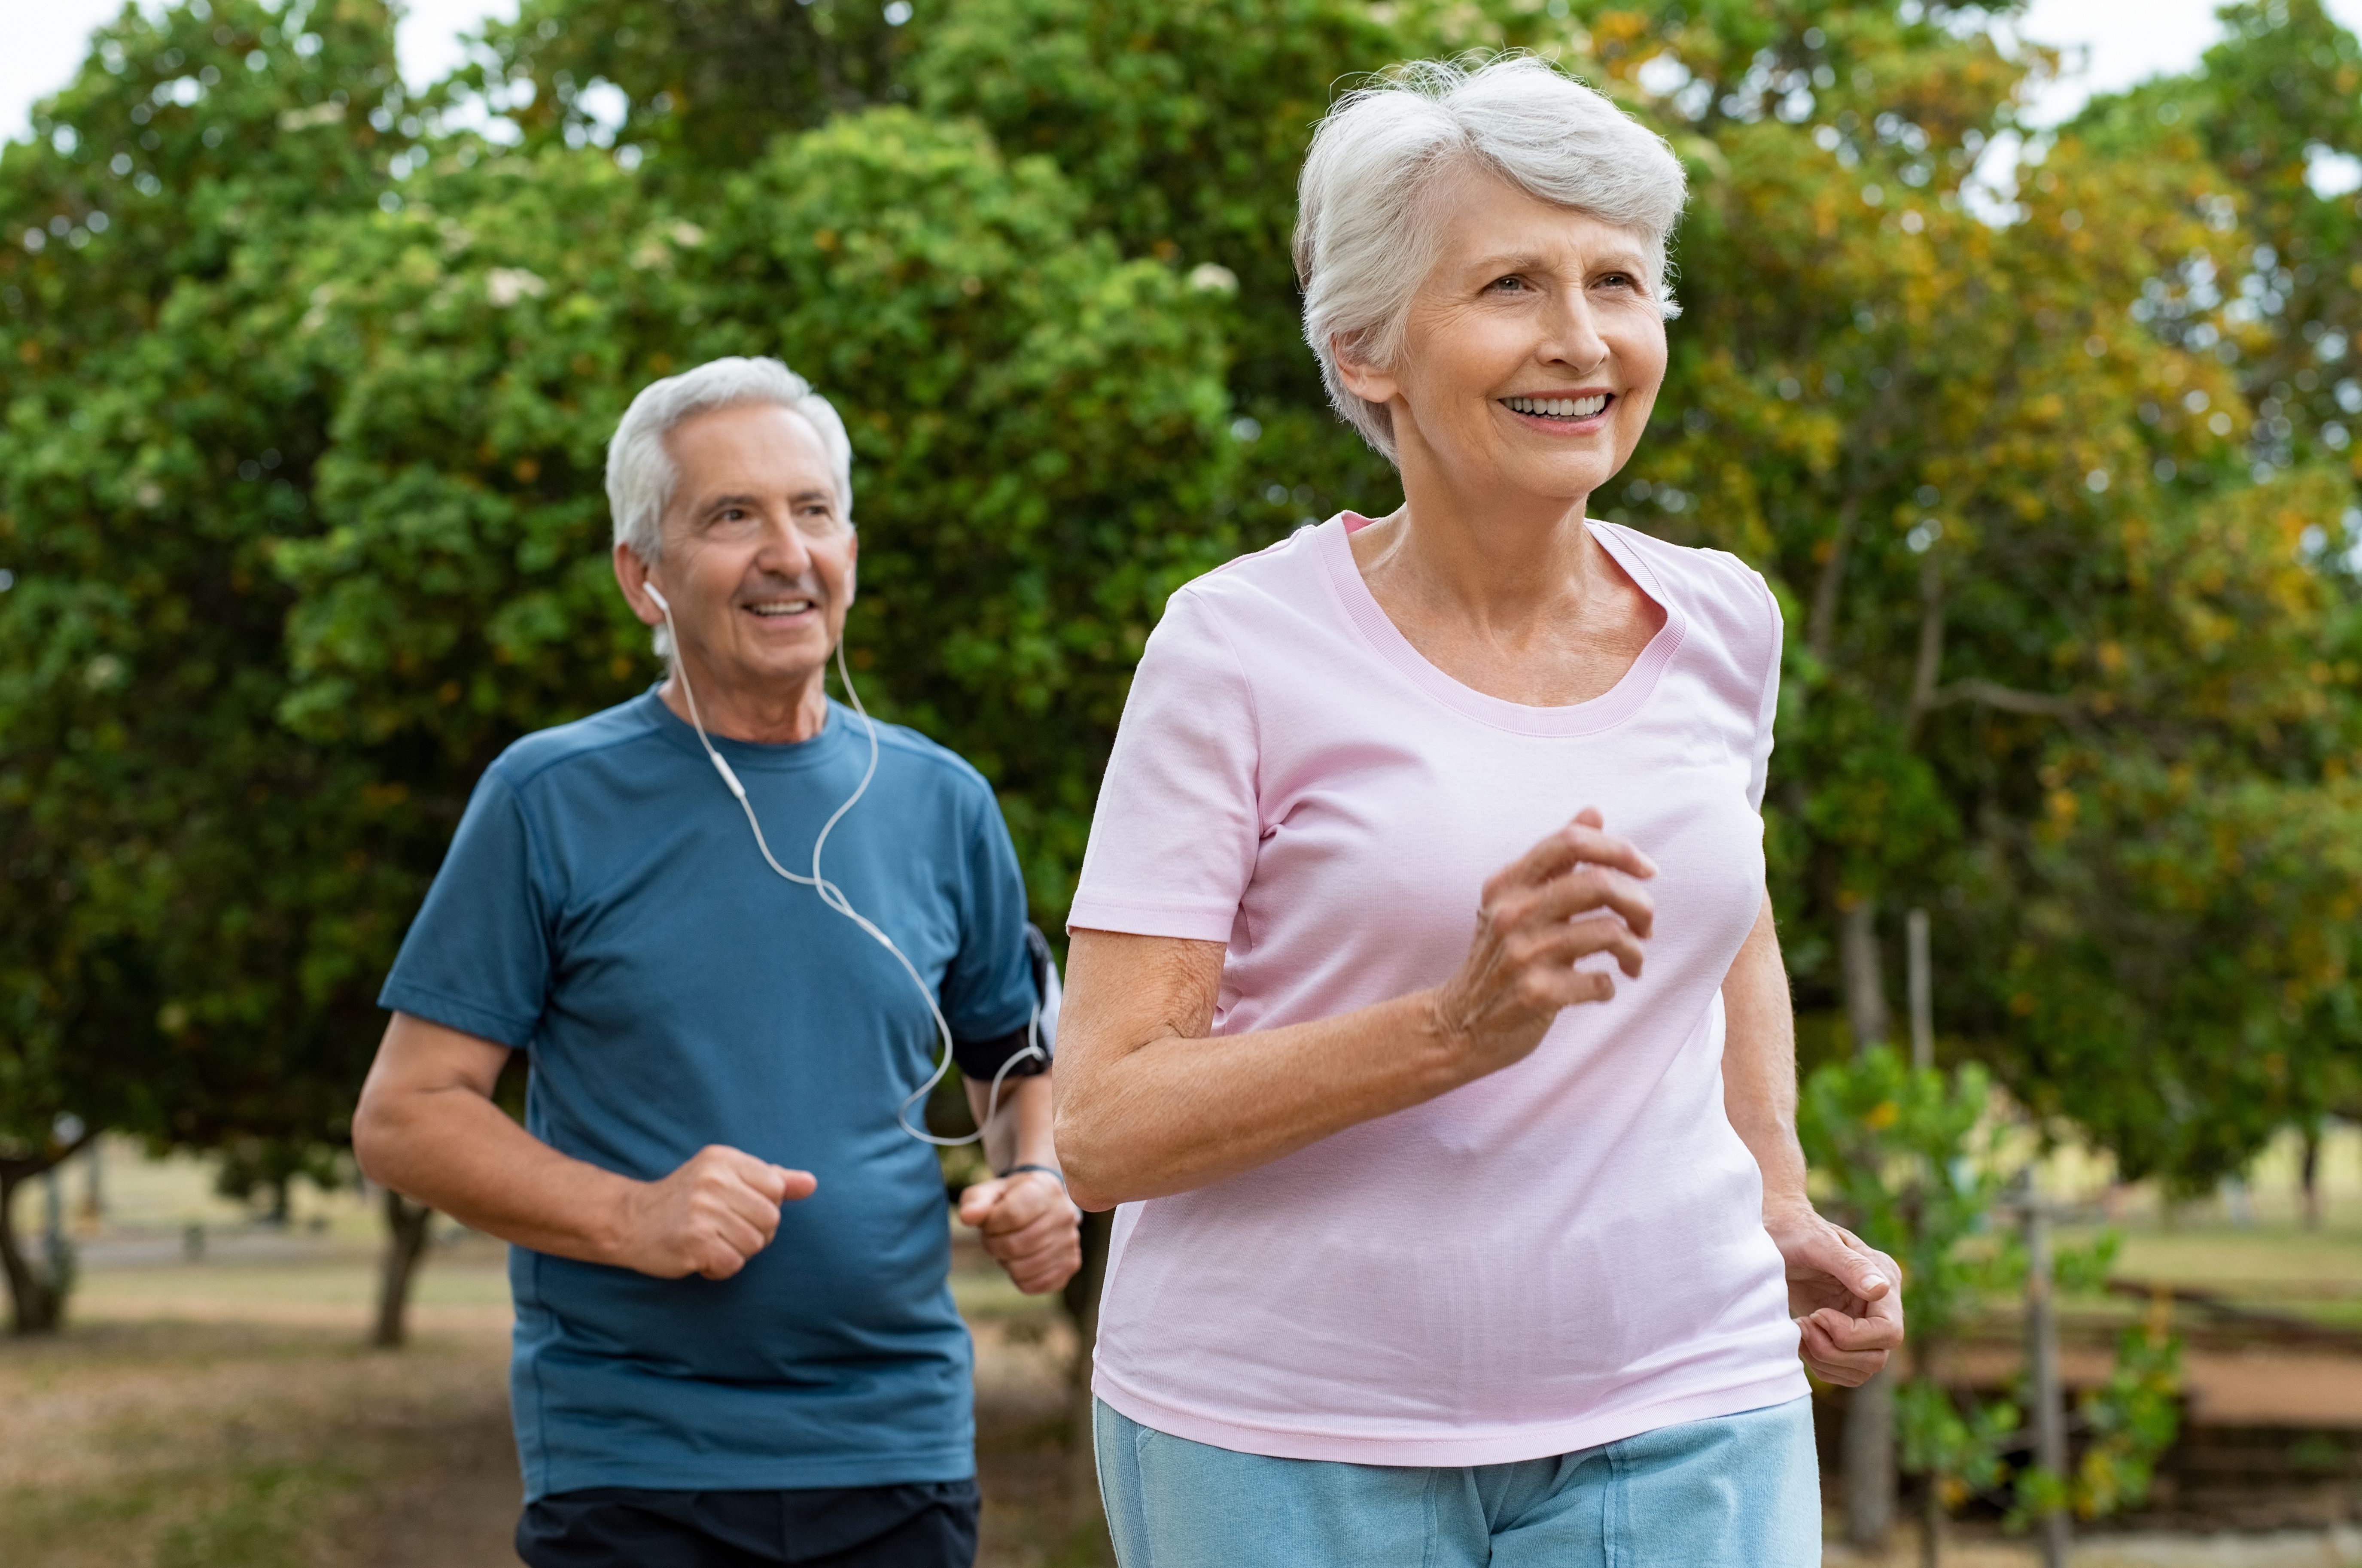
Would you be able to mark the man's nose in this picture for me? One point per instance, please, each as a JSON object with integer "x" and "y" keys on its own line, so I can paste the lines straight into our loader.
{"x": 784, "y": 552}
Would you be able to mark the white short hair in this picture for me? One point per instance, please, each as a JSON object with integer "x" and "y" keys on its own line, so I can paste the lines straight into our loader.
{"x": 1366, "y": 239}
{"x": 641, "y": 473}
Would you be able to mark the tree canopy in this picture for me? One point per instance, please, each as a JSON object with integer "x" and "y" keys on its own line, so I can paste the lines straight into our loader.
{"x": 2044, "y": 437}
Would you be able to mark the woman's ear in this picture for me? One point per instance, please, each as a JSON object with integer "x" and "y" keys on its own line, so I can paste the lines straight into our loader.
{"x": 1360, "y": 377}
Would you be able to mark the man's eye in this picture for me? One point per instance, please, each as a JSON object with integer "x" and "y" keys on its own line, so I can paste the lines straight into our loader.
{"x": 1617, "y": 280}
{"x": 1509, "y": 285}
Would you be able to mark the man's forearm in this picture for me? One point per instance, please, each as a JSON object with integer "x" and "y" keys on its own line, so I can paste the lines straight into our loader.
{"x": 427, "y": 1127}
{"x": 1759, "y": 1063}
{"x": 1021, "y": 1133}
{"x": 456, "y": 1151}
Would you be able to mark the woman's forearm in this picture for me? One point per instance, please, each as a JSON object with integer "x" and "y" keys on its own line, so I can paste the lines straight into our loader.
{"x": 1182, "y": 1109}
{"x": 1759, "y": 1063}
{"x": 1150, "y": 1104}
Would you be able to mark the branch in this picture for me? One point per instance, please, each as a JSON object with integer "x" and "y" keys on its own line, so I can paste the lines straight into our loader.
{"x": 14, "y": 1169}
{"x": 2008, "y": 698}
{"x": 1930, "y": 662}
{"x": 1821, "y": 626}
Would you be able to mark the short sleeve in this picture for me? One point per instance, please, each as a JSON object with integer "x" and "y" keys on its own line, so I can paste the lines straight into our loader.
{"x": 988, "y": 989}
{"x": 1173, "y": 838}
{"x": 1767, "y": 707}
{"x": 478, "y": 957}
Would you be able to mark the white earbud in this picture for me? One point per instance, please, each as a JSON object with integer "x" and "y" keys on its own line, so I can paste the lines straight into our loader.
{"x": 833, "y": 896}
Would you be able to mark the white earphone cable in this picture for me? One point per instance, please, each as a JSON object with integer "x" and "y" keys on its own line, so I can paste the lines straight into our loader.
{"x": 834, "y": 898}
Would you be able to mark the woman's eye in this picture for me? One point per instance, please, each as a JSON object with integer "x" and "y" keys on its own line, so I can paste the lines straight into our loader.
{"x": 1617, "y": 281}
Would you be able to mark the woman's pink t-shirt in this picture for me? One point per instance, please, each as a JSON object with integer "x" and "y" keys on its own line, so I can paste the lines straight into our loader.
{"x": 1565, "y": 1252}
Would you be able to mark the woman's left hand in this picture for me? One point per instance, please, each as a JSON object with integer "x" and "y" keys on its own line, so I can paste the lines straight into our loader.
{"x": 1845, "y": 1294}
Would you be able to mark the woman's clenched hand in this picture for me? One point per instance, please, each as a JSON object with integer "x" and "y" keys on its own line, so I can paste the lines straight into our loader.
{"x": 1574, "y": 894}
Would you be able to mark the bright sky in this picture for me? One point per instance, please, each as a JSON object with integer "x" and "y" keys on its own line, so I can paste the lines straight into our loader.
{"x": 2127, "y": 39}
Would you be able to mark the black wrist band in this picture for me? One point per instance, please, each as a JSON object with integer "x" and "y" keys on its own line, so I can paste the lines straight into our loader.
{"x": 1045, "y": 1170}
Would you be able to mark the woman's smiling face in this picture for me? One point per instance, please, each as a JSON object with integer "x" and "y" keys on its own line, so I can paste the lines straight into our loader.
{"x": 1532, "y": 352}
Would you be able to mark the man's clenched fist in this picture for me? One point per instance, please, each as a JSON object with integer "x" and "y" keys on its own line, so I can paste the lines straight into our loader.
{"x": 1031, "y": 1227}
{"x": 709, "y": 1217}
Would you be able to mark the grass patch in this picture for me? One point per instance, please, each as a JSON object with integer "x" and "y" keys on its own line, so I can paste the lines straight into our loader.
{"x": 197, "y": 1445}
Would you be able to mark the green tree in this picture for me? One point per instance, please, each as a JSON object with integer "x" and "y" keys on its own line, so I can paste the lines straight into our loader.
{"x": 1913, "y": 1161}
{"x": 160, "y": 982}
{"x": 306, "y": 390}
{"x": 1030, "y": 414}
{"x": 1995, "y": 450}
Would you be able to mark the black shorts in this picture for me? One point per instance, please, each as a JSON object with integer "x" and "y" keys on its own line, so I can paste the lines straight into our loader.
{"x": 923, "y": 1525}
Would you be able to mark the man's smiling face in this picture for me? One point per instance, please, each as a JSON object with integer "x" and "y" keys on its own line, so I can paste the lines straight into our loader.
{"x": 758, "y": 553}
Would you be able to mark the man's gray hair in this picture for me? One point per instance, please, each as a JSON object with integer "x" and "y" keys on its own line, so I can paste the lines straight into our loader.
{"x": 641, "y": 473}
{"x": 1366, "y": 232}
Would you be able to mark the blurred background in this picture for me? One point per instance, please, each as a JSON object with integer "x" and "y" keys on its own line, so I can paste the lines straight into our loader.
{"x": 2019, "y": 351}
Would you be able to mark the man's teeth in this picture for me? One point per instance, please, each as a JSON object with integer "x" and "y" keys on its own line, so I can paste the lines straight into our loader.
{"x": 781, "y": 606}
{"x": 1560, "y": 407}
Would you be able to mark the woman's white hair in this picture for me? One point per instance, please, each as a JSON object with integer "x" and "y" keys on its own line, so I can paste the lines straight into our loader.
{"x": 641, "y": 473}
{"x": 1366, "y": 231}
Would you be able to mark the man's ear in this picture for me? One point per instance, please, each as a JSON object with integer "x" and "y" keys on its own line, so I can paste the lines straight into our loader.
{"x": 632, "y": 577}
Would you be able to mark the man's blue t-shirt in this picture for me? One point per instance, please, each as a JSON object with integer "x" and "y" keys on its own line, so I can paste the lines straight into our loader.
{"x": 603, "y": 909}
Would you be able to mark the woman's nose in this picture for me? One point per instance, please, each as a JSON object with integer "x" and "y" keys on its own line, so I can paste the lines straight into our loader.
{"x": 1574, "y": 338}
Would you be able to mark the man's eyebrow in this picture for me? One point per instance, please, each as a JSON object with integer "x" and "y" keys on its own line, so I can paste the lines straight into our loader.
{"x": 717, "y": 503}
{"x": 803, "y": 495}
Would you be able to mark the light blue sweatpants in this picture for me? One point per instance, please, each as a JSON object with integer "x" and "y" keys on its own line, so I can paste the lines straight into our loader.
{"x": 1735, "y": 1492}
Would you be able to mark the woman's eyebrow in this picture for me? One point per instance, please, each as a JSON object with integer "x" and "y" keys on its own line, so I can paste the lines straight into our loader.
{"x": 1533, "y": 261}
{"x": 1523, "y": 262}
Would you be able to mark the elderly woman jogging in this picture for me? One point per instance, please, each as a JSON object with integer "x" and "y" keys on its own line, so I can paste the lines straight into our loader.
{"x": 1442, "y": 1249}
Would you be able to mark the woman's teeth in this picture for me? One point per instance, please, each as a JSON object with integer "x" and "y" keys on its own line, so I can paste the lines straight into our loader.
{"x": 1558, "y": 408}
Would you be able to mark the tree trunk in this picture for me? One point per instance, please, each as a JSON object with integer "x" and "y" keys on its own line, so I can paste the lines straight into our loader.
{"x": 37, "y": 1292}
{"x": 2310, "y": 1178}
{"x": 1865, "y": 980}
{"x": 1931, "y": 1523}
{"x": 1869, "y": 1478}
{"x": 1870, "y": 1462}
{"x": 405, "y": 1243}
{"x": 35, "y": 1305}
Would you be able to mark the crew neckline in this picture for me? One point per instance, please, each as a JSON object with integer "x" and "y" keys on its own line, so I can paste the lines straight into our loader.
{"x": 1333, "y": 541}
{"x": 781, "y": 756}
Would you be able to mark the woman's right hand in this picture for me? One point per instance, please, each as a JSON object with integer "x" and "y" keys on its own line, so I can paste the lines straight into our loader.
{"x": 1575, "y": 893}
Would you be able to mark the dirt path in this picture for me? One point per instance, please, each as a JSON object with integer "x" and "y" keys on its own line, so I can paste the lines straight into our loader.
{"x": 464, "y": 1513}
{"x": 1038, "y": 1507}
{"x": 260, "y": 1433}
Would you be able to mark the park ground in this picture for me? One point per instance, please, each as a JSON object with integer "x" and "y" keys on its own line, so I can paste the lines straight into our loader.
{"x": 212, "y": 1404}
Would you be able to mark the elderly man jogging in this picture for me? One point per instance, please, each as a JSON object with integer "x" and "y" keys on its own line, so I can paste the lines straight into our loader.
{"x": 735, "y": 1342}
